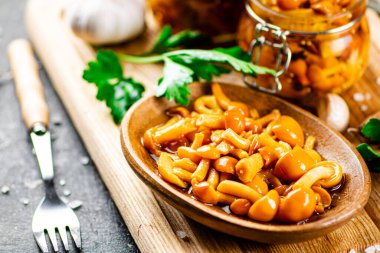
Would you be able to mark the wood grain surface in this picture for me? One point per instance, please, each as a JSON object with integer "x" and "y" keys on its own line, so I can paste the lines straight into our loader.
{"x": 155, "y": 226}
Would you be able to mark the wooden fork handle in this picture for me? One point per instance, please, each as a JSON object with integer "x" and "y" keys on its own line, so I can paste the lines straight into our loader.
{"x": 29, "y": 89}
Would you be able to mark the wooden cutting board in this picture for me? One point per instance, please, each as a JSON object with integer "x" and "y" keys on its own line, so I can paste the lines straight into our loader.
{"x": 155, "y": 226}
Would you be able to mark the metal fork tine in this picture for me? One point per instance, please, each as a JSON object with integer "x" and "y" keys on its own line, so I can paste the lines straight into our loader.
{"x": 75, "y": 233}
{"x": 63, "y": 235}
{"x": 53, "y": 238}
{"x": 40, "y": 238}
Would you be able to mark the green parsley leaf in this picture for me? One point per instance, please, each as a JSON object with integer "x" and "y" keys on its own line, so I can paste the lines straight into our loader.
{"x": 182, "y": 67}
{"x": 104, "y": 69}
{"x": 174, "y": 82}
{"x": 220, "y": 57}
{"x": 201, "y": 69}
{"x": 118, "y": 92}
{"x": 166, "y": 40}
{"x": 371, "y": 157}
{"x": 367, "y": 152}
{"x": 371, "y": 130}
{"x": 236, "y": 52}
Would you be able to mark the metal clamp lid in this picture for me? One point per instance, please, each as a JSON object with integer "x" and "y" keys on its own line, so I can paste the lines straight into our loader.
{"x": 282, "y": 59}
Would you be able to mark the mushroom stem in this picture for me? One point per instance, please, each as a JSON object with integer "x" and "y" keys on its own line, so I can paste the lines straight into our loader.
{"x": 239, "y": 190}
{"x": 327, "y": 173}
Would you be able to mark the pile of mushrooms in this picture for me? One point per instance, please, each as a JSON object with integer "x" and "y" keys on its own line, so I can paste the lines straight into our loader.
{"x": 261, "y": 167}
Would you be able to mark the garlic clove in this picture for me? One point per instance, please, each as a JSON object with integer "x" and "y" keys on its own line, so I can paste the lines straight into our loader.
{"x": 101, "y": 22}
{"x": 334, "y": 111}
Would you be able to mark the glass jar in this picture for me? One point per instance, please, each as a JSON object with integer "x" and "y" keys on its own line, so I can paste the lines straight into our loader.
{"x": 212, "y": 17}
{"x": 314, "y": 49}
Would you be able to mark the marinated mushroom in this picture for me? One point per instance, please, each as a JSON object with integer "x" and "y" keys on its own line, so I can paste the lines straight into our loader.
{"x": 207, "y": 105}
{"x": 165, "y": 168}
{"x": 293, "y": 165}
{"x": 327, "y": 174}
{"x": 265, "y": 208}
{"x": 288, "y": 130}
{"x": 297, "y": 205}
{"x": 240, "y": 206}
{"x": 247, "y": 168}
{"x": 235, "y": 120}
{"x": 225, "y": 164}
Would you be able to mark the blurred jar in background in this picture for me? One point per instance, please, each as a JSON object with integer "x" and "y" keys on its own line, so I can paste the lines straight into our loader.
{"x": 317, "y": 46}
{"x": 211, "y": 17}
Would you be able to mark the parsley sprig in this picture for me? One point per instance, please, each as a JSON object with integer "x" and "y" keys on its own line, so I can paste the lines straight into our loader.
{"x": 371, "y": 130}
{"x": 181, "y": 68}
{"x": 118, "y": 92}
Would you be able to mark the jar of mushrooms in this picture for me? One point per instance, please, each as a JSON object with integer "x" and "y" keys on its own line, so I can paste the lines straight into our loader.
{"x": 316, "y": 46}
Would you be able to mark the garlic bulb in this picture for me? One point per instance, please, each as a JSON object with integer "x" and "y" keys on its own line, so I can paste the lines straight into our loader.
{"x": 101, "y": 22}
{"x": 334, "y": 111}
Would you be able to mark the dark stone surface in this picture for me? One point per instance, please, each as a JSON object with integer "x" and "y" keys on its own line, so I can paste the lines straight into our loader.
{"x": 103, "y": 230}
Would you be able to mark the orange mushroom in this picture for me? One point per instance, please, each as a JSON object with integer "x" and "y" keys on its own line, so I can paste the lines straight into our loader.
{"x": 205, "y": 191}
{"x": 198, "y": 140}
{"x": 327, "y": 174}
{"x": 201, "y": 172}
{"x": 222, "y": 100}
{"x": 165, "y": 168}
{"x": 186, "y": 164}
{"x": 149, "y": 143}
{"x": 243, "y": 108}
{"x": 212, "y": 121}
{"x": 180, "y": 110}
{"x": 280, "y": 148}
{"x": 297, "y": 206}
{"x": 187, "y": 152}
{"x": 225, "y": 164}
{"x": 235, "y": 139}
{"x": 266, "y": 119}
{"x": 235, "y": 120}
{"x": 247, "y": 168}
{"x": 269, "y": 156}
{"x": 207, "y": 105}
{"x": 239, "y": 153}
{"x": 299, "y": 69}
{"x": 258, "y": 184}
{"x": 174, "y": 131}
{"x": 240, "y": 206}
{"x": 323, "y": 200}
{"x": 288, "y": 130}
{"x": 309, "y": 148}
{"x": 238, "y": 190}
{"x": 289, "y": 4}
{"x": 224, "y": 147}
{"x": 208, "y": 152}
{"x": 293, "y": 165}
{"x": 266, "y": 207}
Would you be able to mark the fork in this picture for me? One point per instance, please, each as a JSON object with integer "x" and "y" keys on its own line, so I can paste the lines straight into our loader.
{"x": 52, "y": 214}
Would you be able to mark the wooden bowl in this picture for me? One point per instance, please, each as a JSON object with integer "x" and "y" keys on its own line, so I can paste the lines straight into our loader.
{"x": 331, "y": 145}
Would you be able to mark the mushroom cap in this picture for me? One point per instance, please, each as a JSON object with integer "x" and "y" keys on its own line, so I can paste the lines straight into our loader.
{"x": 240, "y": 206}
{"x": 293, "y": 165}
{"x": 205, "y": 193}
{"x": 265, "y": 208}
{"x": 288, "y": 130}
{"x": 235, "y": 119}
{"x": 297, "y": 206}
